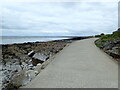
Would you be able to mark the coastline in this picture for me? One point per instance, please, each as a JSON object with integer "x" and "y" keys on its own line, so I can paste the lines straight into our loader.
{"x": 19, "y": 67}
{"x": 22, "y": 62}
{"x": 8, "y": 40}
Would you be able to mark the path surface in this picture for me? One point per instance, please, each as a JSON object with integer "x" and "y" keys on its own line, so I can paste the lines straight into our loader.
{"x": 80, "y": 65}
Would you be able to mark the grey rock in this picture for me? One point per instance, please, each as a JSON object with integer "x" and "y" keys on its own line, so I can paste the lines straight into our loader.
{"x": 36, "y": 61}
{"x": 108, "y": 46}
{"x": 40, "y": 56}
{"x": 39, "y": 64}
{"x": 31, "y": 53}
{"x": 114, "y": 55}
{"x": 16, "y": 67}
{"x": 17, "y": 63}
{"x": 31, "y": 74}
{"x": 30, "y": 65}
{"x": 20, "y": 79}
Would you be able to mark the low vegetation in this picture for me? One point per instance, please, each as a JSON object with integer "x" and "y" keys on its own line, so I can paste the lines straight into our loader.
{"x": 110, "y": 43}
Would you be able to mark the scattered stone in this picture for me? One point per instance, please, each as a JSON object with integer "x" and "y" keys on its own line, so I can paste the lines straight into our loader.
{"x": 31, "y": 53}
{"x": 20, "y": 79}
{"x": 40, "y": 56}
{"x": 39, "y": 64}
{"x": 31, "y": 74}
{"x": 22, "y": 62}
{"x": 36, "y": 61}
{"x": 31, "y": 65}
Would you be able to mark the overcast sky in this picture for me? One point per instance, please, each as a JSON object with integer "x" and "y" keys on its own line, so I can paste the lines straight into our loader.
{"x": 59, "y": 18}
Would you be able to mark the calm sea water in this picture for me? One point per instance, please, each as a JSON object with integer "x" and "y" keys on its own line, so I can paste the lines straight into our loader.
{"x": 23, "y": 39}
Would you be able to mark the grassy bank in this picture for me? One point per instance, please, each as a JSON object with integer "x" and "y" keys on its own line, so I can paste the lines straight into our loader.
{"x": 110, "y": 43}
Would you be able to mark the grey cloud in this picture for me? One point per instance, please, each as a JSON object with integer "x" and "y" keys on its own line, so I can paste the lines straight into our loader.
{"x": 68, "y": 18}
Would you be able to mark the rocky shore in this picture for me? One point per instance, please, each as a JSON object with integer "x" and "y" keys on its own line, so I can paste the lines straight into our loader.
{"x": 20, "y": 63}
{"x": 110, "y": 44}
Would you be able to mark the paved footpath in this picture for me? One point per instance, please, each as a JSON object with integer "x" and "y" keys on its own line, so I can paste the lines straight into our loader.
{"x": 80, "y": 65}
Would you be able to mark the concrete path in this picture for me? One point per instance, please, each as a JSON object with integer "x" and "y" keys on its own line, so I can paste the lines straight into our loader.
{"x": 80, "y": 65}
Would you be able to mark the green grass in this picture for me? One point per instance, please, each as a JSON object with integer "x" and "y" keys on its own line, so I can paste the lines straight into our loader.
{"x": 116, "y": 35}
{"x": 110, "y": 37}
{"x": 99, "y": 45}
{"x": 106, "y": 36}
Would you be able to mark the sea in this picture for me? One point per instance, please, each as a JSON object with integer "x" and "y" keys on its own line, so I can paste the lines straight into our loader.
{"x": 25, "y": 39}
